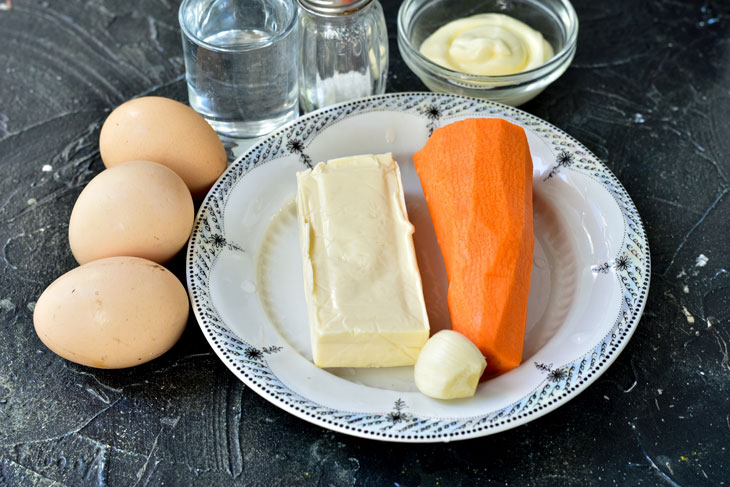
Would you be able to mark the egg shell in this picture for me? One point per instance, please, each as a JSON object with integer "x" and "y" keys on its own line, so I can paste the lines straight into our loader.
{"x": 112, "y": 313}
{"x": 159, "y": 129}
{"x": 140, "y": 209}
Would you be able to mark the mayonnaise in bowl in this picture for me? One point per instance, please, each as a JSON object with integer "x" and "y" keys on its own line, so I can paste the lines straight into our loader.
{"x": 487, "y": 44}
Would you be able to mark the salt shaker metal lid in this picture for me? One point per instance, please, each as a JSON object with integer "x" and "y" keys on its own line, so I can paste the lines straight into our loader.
{"x": 333, "y": 7}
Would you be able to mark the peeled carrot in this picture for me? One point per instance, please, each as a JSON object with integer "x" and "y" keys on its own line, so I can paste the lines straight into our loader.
{"x": 477, "y": 178}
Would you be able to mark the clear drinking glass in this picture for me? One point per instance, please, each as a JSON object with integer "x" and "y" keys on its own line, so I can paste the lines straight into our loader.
{"x": 343, "y": 51}
{"x": 241, "y": 63}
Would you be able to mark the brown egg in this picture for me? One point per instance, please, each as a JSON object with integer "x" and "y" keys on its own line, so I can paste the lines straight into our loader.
{"x": 165, "y": 131}
{"x": 138, "y": 208}
{"x": 112, "y": 313}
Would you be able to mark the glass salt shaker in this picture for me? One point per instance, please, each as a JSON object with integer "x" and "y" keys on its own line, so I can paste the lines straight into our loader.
{"x": 343, "y": 51}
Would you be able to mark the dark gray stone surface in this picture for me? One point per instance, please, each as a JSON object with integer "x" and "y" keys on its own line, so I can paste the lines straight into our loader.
{"x": 647, "y": 92}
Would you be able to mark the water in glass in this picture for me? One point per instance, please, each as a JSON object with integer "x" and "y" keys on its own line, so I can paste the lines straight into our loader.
{"x": 241, "y": 63}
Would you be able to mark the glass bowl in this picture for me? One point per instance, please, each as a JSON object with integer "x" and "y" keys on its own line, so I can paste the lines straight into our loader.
{"x": 555, "y": 19}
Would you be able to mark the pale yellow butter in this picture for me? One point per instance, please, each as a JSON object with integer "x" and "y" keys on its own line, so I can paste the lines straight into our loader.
{"x": 361, "y": 280}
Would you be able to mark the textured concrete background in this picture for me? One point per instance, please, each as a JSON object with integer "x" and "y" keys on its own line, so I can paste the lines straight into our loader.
{"x": 648, "y": 93}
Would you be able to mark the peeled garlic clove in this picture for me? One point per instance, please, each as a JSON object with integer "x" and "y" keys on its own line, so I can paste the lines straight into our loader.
{"x": 449, "y": 366}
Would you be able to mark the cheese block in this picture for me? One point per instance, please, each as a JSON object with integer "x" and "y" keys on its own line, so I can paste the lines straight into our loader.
{"x": 361, "y": 280}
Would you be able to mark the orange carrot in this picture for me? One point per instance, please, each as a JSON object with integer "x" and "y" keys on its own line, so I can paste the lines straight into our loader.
{"x": 477, "y": 178}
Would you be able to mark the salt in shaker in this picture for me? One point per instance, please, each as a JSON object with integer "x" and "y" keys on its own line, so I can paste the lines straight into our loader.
{"x": 343, "y": 51}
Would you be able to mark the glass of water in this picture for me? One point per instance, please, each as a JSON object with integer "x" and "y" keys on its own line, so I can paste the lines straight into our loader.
{"x": 241, "y": 63}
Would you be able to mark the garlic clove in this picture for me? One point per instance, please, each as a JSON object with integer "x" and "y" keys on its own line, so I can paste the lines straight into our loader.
{"x": 449, "y": 366}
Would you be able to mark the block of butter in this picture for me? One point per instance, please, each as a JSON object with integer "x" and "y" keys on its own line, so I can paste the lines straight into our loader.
{"x": 361, "y": 280}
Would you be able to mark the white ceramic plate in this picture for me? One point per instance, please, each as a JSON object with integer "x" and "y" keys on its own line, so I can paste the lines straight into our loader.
{"x": 589, "y": 282}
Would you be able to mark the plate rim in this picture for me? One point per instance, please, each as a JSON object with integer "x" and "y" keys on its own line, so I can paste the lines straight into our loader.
{"x": 394, "y": 424}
